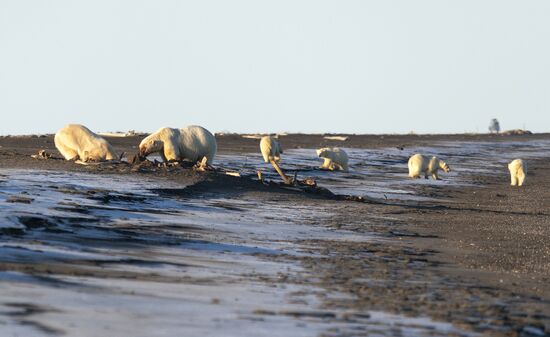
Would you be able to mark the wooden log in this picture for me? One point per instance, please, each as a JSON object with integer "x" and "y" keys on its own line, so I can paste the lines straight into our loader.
{"x": 281, "y": 173}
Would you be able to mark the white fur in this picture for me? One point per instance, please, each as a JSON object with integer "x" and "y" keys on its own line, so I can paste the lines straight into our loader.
{"x": 271, "y": 149}
{"x": 77, "y": 142}
{"x": 191, "y": 143}
{"x": 518, "y": 171}
{"x": 420, "y": 164}
{"x": 335, "y": 158}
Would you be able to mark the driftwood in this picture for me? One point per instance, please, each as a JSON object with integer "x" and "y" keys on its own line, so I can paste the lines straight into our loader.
{"x": 281, "y": 173}
{"x": 252, "y": 136}
{"x": 260, "y": 177}
{"x": 340, "y": 138}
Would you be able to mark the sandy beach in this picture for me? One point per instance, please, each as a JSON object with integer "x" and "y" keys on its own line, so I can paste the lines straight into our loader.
{"x": 133, "y": 248}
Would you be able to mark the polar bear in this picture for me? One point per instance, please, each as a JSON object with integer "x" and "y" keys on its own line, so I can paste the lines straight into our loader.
{"x": 420, "y": 164}
{"x": 77, "y": 142}
{"x": 335, "y": 158}
{"x": 271, "y": 149}
{"x": 193, "y": 143}
{"x": 518, "y": 171}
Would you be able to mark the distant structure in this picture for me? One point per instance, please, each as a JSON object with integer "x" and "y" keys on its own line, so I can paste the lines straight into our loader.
{"x": 494, "y": 126}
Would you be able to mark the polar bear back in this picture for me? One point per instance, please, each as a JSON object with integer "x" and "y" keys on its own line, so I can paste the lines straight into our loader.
{"x": 270, "y": 148}
{"x": 191, "y": 143}
{"x": 76, "y": 141}
{"x": 196, "y": 143}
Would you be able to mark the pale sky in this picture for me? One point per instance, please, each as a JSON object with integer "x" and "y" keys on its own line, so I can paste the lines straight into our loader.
{"x": 271, "y": 66}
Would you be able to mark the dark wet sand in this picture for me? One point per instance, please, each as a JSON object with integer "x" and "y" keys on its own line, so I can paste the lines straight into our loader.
{"x": 480, "y": 258}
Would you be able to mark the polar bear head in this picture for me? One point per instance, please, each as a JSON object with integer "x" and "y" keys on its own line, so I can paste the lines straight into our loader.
{"x": 443, "y": 165}
{"x": 100, "y": 152}
{"x": 322, "y": 153}
{"x": 150, "y": 145}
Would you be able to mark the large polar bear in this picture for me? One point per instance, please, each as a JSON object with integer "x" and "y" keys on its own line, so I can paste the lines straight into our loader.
{"x": 518, "y": 171}
{"x": 77, "y": 142}
{"x": 193, "y": 143}
{"x": 335, "y": 158}
{"x": 420, "y": 164}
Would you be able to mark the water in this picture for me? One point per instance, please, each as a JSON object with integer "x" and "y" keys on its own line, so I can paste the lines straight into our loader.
{"x": 100, "y": 254}
{"x": 383, "y": 173}
{"x": 82, "y": 259}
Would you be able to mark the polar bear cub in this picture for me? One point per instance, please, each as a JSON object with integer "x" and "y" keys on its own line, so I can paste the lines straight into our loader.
{"x": 518, "y": 171}
{"x": 420, "y": 164}
{"x": 77, "y": 142}
{"x": 193, "y": 143}
{"x": 271, "y": 149}
{"x": 335, "y": 158}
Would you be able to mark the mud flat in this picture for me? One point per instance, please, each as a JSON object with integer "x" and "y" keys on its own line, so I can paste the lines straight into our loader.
{"x": 116, "y": 250}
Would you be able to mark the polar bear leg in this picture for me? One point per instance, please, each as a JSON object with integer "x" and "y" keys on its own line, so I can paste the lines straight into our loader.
{"x": 415, "y": 174}
{"x": 170, "y": 152}
{"x": 85, "y": 156}
{"x": 414, "y": 170}
{"x": 67, "y": 153}
{"x": 341, "y": 167}
{"x": 210, "y": 157}
{"x": 514, "y": 179}
{"x": 326, "y": 163}
{"x": 205, "y": 161}
{"x": 521, "y": 178}
{"x": 202, "y": 164}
